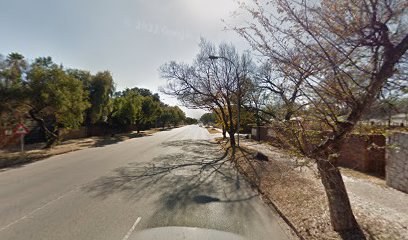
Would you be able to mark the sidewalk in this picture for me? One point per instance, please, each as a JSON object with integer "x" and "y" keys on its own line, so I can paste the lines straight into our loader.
{"x": 297, "y": 192}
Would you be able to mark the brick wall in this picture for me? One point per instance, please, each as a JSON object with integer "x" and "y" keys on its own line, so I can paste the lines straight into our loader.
{"x": 364, "y": 153}
{"x": 397, "y": 161}
{"x": 265, "y": 134}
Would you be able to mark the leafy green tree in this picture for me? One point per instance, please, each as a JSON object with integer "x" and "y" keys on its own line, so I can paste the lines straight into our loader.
{"x": 150, "y": 112}
{"x": 127, "y": 108}
{"x": 15, "y": 67}
{"x": 208, "y": 118}
{"x": 150, "y": 107}
{"x": 100, "y": 90}
{"x": 191, "y": 121}
{"x": 140, "y": 108}
{"x": 84, "y": 76}
{"x": 12, "y": 70}
{"x": 165, "y": 115}
{"x": 56, "y": 99}
{"x": 177, "y": 116}
{"x": 143, "y": 91}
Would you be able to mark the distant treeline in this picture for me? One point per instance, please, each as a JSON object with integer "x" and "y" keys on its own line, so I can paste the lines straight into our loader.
{"x": 56, "y": 97}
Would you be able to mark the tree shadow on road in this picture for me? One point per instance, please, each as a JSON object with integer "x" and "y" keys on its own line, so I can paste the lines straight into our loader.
{"x": 113, "y": 139}
{"x": 193, "y": 174}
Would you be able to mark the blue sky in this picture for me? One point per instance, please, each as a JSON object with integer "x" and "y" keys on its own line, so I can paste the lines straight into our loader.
{"x": 131, "y": 38}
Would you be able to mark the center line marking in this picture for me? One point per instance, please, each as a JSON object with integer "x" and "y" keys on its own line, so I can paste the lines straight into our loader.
{"x": 126, "y": 237}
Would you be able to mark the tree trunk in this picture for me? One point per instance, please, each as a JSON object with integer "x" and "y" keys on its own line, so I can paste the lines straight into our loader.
{"x": 258, "y": 133}
{"x": 137, "y": 127}
{"x": 258, "y": 126}
{"x": 389, "y": 120}
{"x": 52, "y": 137}
{"x": 232, "y": 139}
{"x": 53, "y": 140}
{"x": 341, "y": 214}
{"x": 289, "y": 113}
{"x": 224, "y": 132}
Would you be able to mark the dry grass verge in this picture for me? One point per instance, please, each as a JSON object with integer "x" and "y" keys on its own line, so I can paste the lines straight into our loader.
{"x": 213, "y": 130}
{"x": 297, "y": 193}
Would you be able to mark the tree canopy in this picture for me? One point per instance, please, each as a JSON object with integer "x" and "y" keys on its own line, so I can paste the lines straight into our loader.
{"x": 210, "y": 83}
{"x": 208, "y": 118}
{"x": 56, "y": 98}
{"x": 325, "y": 64}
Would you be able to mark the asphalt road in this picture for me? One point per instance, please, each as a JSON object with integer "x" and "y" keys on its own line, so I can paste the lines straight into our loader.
{"x": 173, "y": 178}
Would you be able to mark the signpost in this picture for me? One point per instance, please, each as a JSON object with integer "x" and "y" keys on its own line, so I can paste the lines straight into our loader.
{"x": 22, "y": 131}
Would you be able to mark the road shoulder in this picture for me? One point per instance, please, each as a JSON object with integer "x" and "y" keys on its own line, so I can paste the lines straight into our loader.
{"x": 298, "y": 194}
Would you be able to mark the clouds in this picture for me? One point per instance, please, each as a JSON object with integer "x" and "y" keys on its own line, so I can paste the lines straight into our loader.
{"x": 131, "y": 38}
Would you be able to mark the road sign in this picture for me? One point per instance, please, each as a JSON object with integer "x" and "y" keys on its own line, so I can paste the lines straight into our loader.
{"x": 21, "y": 129}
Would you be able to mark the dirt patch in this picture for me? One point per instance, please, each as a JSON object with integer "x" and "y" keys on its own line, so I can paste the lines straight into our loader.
{"x": 299, "y": 195}
{"x": 363, "y": 176}
{"x": 213, "y": 130}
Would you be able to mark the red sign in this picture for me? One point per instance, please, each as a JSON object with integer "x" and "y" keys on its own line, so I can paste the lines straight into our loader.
{"x": 21, "y": 129}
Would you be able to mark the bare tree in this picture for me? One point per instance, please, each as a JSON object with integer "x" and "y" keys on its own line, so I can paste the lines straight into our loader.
{"x": 209, "y": 84}
{"x": 341, "y": 53}
{"x": 285, "y": 82}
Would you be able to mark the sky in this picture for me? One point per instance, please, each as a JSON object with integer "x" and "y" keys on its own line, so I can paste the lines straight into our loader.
{"x": 130, "y": 38}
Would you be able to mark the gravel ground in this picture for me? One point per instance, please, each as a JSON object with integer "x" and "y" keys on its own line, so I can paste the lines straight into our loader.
{"x": 384, "y": 209}
{"x": 381, "y": 211}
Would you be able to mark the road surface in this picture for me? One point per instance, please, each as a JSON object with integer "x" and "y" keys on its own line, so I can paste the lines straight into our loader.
{"x": 173, "y": 178}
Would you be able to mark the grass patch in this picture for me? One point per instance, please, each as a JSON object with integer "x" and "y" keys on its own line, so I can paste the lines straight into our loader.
{"x": 213, "y": 130}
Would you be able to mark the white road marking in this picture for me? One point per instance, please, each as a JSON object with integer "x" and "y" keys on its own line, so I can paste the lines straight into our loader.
{"x": 36, "y": 210}
{"x": 126, "y": 237}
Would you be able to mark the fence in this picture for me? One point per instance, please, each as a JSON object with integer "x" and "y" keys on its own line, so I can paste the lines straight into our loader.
{"x": 364, "y": 153}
